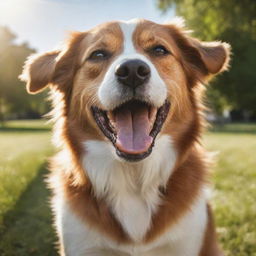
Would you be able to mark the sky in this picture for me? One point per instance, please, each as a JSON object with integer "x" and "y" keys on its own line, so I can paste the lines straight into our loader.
{"x": 45, "y": 23}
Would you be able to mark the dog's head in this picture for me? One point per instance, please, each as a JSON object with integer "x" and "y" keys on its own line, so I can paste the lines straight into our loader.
{"x": 126, "y": 82}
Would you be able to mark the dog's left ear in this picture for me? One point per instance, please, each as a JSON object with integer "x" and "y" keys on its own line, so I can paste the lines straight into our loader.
{"x": 38, "y": 71}
{"x": 53, "y": 68}
{"x": 215, "y": 55}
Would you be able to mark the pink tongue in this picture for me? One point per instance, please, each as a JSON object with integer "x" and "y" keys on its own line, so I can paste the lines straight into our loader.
{"x": 133, "y": 129}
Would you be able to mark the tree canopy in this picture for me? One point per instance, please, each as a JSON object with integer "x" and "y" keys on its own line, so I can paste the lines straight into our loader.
{"x": 14, "y": 100}
{"x": 233, "y": 22}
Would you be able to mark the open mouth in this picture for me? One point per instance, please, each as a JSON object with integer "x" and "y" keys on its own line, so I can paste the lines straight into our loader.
{"x": 132, "y": 127}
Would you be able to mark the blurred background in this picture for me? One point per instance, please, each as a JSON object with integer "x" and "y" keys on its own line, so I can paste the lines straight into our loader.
{"x": 31, "y": 26}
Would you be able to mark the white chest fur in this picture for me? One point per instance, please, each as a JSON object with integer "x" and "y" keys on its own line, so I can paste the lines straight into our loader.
{"x": 183, "y": 239}
{"x": 132, "y": 192}
{"x": 131, "y": 189}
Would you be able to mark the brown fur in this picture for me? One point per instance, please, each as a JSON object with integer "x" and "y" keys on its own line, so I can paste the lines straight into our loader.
{"x": 75, "y": 82}
{"x": 210, "y": 245}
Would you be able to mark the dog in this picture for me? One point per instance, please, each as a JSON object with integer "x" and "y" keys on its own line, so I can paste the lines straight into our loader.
{"x": 131, "y": 174}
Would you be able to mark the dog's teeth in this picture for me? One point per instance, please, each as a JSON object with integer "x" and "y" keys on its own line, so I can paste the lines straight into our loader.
{"x": 111, "y": 117}
{"x": 152, "y": 114}
{"x": 111, "y": 120}
{"x": 112, "y": 125}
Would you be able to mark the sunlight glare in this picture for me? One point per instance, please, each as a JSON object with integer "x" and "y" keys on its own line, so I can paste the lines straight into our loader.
{"x": 11, "y": 10}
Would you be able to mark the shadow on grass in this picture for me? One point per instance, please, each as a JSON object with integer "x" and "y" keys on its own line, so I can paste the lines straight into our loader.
{"x": 28, "y": 226}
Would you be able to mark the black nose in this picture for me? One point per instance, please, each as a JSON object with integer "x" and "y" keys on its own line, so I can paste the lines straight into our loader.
{"x": 133, "y": 73}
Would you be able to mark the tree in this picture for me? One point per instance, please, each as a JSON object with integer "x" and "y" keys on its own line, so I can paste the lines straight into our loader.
{"x": 14, "y": 101}
{"x": 234, "y": 22}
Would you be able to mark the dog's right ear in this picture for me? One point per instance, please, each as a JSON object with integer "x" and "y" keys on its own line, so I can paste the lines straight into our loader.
{"x": 38, "y": 71}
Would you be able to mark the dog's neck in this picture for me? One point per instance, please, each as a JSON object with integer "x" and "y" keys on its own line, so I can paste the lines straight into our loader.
{"x": 107, "y": 173}
{"x": 130, "y": 189}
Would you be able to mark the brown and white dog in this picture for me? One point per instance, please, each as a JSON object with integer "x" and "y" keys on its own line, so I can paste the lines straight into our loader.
{"x": 131, "y": 174}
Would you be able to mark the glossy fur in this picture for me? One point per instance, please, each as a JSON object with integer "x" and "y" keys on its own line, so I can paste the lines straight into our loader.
{"x": 105, "y": 205}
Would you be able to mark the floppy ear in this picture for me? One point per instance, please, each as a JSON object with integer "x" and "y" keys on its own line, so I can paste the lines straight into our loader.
{"x": 38, "y": 71}
{"x": 200, "y": 59}
{"x": 215, "y": 55}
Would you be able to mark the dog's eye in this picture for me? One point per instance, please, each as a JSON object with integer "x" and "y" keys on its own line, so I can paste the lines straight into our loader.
{"x": 99, "y": 55}
{"x": 159, "y": 50}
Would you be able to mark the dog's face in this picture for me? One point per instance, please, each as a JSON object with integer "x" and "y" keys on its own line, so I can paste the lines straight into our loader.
{"x": 129, "y": 82}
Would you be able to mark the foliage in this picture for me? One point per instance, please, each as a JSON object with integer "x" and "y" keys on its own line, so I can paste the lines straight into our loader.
{"x": 14, "y": 100}
{"x": 234, "y": 22}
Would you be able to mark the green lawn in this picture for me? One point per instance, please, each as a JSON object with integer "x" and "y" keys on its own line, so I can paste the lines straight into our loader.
{"x": 25, "y": 220}
{"x": 234, "y": 197}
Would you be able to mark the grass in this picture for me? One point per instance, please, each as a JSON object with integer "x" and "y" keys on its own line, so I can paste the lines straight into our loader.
{"x": 25, "y": 220}
{"x": 235, "y": 187}
{"x": 21, "y": 153}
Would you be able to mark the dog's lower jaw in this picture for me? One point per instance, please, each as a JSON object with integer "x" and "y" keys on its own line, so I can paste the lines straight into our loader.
{"x": 120, "y": 125}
